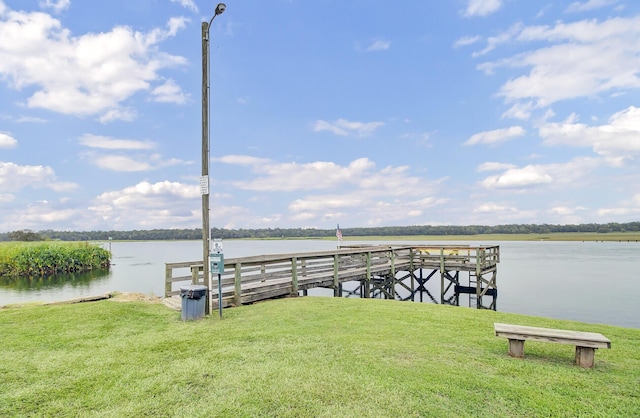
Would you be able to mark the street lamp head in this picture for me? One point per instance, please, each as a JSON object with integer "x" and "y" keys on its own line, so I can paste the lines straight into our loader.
{"x": 220, "y": 8}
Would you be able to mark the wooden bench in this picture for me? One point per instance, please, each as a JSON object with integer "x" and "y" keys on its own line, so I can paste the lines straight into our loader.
{"x": 586, "y": 342}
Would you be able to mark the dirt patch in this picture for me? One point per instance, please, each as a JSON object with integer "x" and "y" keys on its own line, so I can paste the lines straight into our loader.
{"x": 135, "y": 297}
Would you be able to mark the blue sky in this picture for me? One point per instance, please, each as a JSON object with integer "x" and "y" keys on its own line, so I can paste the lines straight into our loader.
{"x": 362, "y": 113}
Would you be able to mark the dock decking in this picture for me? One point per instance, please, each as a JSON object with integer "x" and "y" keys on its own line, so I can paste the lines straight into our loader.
{"x": 380, "y": 271}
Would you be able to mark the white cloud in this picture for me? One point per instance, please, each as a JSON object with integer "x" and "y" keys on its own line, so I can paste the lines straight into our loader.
{"x": 607, "y": 52}
{"x": 45, "y": 215}
{"x": 620, "y": 138}
{"x": 520, "y": 110}
{"x": 466, "y": 40}
{"x": 531, "y": 176}
{"x": 125, "y": 161}
{"x": 358, "y": 187}
{"x": 482, "y": 7}
{"x": 121, "y": 163}
{"x": 589, "y": 5}
{"x": 14, "y": 177}
{"x": 379, "y": 45}
{"x": 188, "y": 4}
{"x": 149, "y": 205}
{"x": 126, "y": 114}
{"x": 496, "y": 136}
{"x": 56, "y": 5}
{"x": 565, "y": 210}
{"x": 7, "y": 141}
{"x": 30, "y": 119}
{"x": 106, "y": 142}
{"x": 321, "y": 175}
{"x": 626, "y": 207}
{"x": 90, "y": 74}
{"x": 344, "y": 127}
{"x": 494, "y": 166}
{"x": 325, "y": 202}
{"x": 129, "y": 162}
{"x": 293, "y": 176}
{"x": 244, "y": 160}
{"x": 494, "y": 41}
{"x": 169, "y": 92}
{"x": 242, "y": 100}
{"x": 495, "y": 208}
{"x": 518, "y": 178}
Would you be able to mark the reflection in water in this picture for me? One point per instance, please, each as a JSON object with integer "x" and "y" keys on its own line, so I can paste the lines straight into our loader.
{"x": 76, "y": 280}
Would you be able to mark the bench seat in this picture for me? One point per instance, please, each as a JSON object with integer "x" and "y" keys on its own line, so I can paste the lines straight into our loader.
{"x": 585, "y": 342}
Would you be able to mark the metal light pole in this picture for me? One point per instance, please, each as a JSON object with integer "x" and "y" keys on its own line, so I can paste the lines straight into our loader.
{"x": 204, "y": 180}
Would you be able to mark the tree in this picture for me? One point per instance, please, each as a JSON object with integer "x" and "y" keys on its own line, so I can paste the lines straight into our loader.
{"x": 24, "y": 235}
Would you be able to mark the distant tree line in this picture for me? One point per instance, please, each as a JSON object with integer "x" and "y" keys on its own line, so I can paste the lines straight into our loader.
{"x": 195, "y": 234}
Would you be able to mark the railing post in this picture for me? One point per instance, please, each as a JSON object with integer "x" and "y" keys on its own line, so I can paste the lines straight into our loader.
{"x": 237, "y": 285}
{"x": 412, "y": 270}
{"x": 367, "y": 280}
{"x": 442, "y": 273}
{"x": 294, "y": 276}
{"x": 336, "y": 281}
{"x": 392, "y": 259}
{"x": 168, "y": 273}
{"x": 195, "y": 272}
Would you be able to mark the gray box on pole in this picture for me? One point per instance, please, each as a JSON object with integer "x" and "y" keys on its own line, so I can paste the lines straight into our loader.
{"x": 193, "y": 301}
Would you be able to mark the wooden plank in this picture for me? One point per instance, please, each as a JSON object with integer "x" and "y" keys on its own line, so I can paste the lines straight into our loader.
{"x": 178, "y": 279}
{"x": 578, "y": 338}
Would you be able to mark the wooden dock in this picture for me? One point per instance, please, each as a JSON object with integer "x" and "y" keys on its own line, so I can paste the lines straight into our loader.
{"x": 390, "y": 272}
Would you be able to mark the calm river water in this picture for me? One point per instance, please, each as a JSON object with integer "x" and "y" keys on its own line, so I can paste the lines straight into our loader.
{"x": 596, "y": 282}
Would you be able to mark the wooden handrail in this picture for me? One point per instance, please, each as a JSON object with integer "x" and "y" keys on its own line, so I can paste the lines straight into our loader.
{"x": 300, "y": 271}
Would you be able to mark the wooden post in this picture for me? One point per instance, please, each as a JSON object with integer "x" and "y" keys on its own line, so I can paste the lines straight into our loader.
{"x": 195, "y": 270}
{"x": 393, "y": 266}
{"x": 237, "y": 286}
{"x": 478, "y": 285}
{"x": 294, "y": 276}
{"x": 516, "y": 348}
{"x": 168, "y": 273}
{"x": 336, "y": 280}
{"x": 413, "y": 276}
{"x": 206, "y": 228}
{"x": 367, "y": 283}
{"x": 585, "y": 356}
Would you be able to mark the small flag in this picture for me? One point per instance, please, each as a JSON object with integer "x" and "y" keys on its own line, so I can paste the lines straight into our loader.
{"x": 338, "y": 233}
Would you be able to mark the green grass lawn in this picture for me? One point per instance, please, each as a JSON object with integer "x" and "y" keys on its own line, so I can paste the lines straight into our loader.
{"x": 302, "y": 357}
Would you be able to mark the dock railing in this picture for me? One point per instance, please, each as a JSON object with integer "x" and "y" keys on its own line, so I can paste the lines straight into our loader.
{"x": 254, "y": 278}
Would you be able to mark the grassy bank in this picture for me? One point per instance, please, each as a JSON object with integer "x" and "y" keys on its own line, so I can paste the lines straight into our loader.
{"x": 302, "y": 357}
{"x": 47, "y": 258}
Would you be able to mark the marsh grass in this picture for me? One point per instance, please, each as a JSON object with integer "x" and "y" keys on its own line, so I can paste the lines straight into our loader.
{"x": 302, "y": 357}
{"x": 556, "y": 236}
{"x": 48, "y": 258}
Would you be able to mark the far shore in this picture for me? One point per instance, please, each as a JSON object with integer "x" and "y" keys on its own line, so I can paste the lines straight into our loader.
{"x": 555, "y": 236}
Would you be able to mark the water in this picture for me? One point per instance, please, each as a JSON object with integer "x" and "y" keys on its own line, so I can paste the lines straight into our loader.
{"x": 593, "y": 282}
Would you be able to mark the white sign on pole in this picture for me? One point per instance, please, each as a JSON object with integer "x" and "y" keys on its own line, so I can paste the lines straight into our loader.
{"x": 204, "y": 185}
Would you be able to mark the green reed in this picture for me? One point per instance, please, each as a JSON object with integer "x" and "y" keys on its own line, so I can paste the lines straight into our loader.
{"x": 48, "y": 258}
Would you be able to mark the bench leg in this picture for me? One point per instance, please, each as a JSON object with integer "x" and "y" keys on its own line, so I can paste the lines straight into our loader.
{"x": 585, "y": 356}
{"x": 516, "y": 348}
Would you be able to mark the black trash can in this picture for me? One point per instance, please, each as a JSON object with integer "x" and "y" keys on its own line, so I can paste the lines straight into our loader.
{"x": 193, "y": 301}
